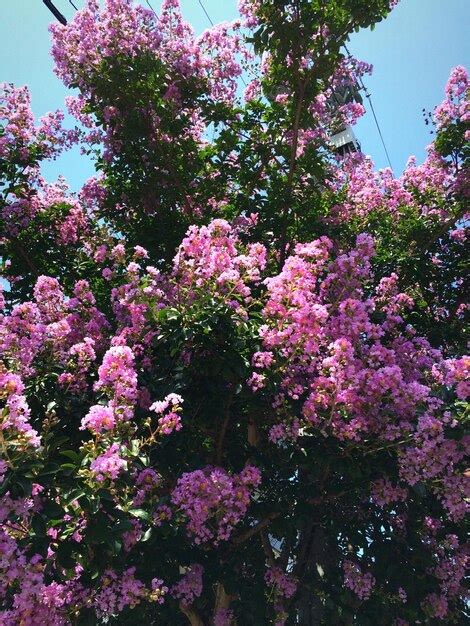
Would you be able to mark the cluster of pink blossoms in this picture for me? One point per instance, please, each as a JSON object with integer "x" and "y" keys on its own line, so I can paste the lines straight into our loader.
{"x": 53, "y": 325}
{"x": 81, "y": 357}
{"x": 14, "y": 417}
{"x": 361, "y": 584}
{"x": 210, "y": 256}
{"x": 123, "y": 30}
{"x": 357, "y": 369}
{"x": 284, "y": 584}
{"x": 38, "y": 600}
{"x": 118, "y": 592}
{"x": 365, "y": 191}
{"x": 118, "y": 380}
{"x": 109, "y": 464}
{"x": 72, "y": 224}
{"x": 456, "y": 106}
{"x": 147, "y": 482}
{"x": 190, "y": 586}
{"x": 282, "y": 587}
{"x": 22, "y": 137}
{"x": 169, "y": 421}
{"x": 457, "y": 372}
{"x": 214, "y": 501}
{"x": 383, "y": 492}
{"x": 23, "y": 575}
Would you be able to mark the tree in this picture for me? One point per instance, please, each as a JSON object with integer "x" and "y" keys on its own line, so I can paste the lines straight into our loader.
{"x": 233, "y": 373}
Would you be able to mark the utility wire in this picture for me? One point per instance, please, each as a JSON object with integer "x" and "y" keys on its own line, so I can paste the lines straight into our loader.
{"x": 55, "y": 12}
{"x": 207, "y": 14}
{"x": 369, "y": 97}
{"x": 150, "y": 7}
{"x": 361, "y": 85}
{"x": 74, "y": 6}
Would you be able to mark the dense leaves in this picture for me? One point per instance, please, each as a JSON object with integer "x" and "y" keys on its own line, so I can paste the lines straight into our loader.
{"x": 233, "y": 373}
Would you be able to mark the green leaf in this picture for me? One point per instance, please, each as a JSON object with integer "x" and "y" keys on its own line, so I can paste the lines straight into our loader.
{"x": 140, "y": 514}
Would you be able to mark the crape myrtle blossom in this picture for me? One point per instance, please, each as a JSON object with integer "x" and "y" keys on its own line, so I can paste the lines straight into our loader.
{"x": 283, "y": 584}
{"x": 360, "y": 583}
{"x": 211, "y": 496}
{"x": 283, "y": 587}
{"x": 22, "y": 139}
{"x": 210, "y": 255}
{"x": 356, "y": 376}
{"x": 367, "y": 191}
{"x": 191, "y": 584}
{"x": 15, "y": 412}
{"x": 118, "y": 380}
{"x": 99, "y": 419}
{"x": 168, "y": 410}
{"x": 455, "y": 106}
{"x": 70, "y": 329}
{"x": 108, "y": 465}
{"x": 124, "y": 30}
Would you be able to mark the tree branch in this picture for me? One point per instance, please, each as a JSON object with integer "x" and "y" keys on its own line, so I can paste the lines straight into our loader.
{"x": 268, "y": 550}
{"x": 222, "y": 598}
{"x": 255, "y": 529}
{"x": 192, "y": 615}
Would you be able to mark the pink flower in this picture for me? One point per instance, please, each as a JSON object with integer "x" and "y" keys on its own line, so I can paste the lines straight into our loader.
{"x": 98, "y": 419}
{"x": 108, "y": 465}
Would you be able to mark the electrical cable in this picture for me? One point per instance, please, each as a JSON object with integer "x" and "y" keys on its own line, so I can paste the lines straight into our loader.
{"x": 360, "y": 84}
{"x": 207, "y": 14}
{"x": 150, "y": 7}
{"x": 55, "y": 12}
{"x": 369, "y": 97}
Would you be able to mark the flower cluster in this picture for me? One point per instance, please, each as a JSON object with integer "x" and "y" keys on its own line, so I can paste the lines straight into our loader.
{"x": 118, "y": 592}
{"x": 16, "y": 413}
{"x": 108, "y": 465}
{"x": 147, "y": 481}
{"x": 357, "y": 368}
{"x": 284, "y": 585}
{"x": 383, "y": 492}
{"x": 117, "y": 379}
{"x": 169, "y": 421}
{"x": 22, "y": 140}
{"x": 456, "y": 105}
{"x": 214, "y": 501}
{"x": 190, "y": 586}
{"x": 211, "y": 256}
{"x": 361, "y": 584}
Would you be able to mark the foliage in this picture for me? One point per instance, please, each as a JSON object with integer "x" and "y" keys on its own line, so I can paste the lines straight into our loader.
{"x": 232, "y": 373}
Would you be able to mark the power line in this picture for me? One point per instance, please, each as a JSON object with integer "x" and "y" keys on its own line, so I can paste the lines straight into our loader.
{"x": 150, "y": 7}
{"x": 55, "y": 12}
{"x": 369, "y": 97}
{"x": 207, "y": 14}
{"x": 74, "y": 6}
{"x": 361, "y": 85}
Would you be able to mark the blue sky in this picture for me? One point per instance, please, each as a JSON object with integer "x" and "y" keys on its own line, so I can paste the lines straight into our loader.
{"x": 412, "y": 52}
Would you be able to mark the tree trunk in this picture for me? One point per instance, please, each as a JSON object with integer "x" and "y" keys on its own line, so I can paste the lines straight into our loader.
{"x": 309, "y": 605}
